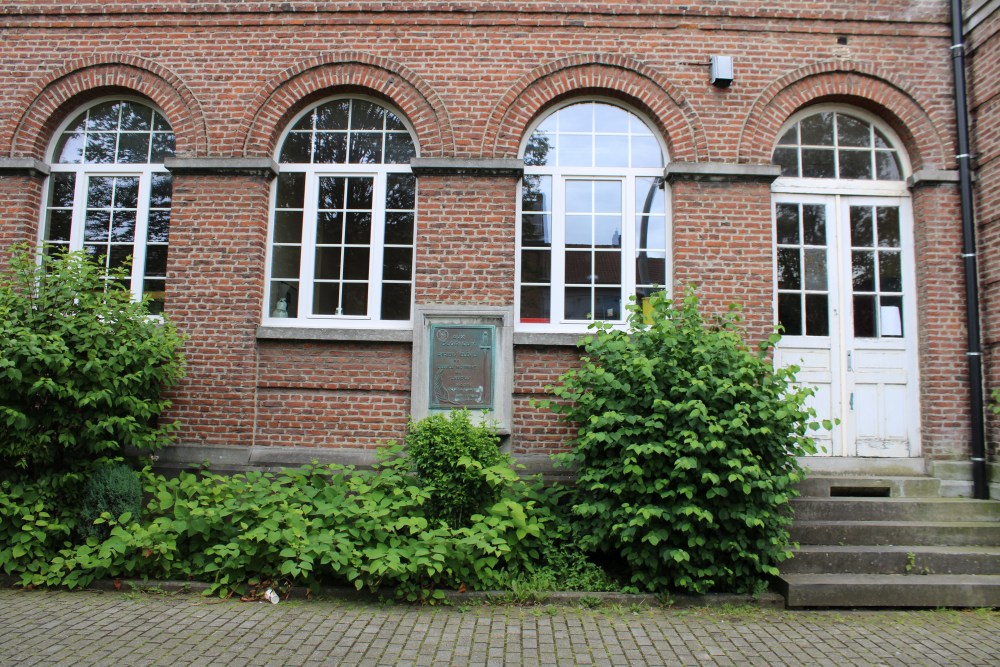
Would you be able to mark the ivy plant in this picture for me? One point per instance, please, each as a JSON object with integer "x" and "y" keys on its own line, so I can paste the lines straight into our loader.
{"x": 685, "y": 448}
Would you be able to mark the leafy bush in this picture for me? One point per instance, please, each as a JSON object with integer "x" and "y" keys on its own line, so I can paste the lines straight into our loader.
{"x": 685, "y": 449}
{"x": 459, "y": 461}
{"x": 83, "y": 368}
{"x": 33, "y": 527}
{"x": 115, "y": 489}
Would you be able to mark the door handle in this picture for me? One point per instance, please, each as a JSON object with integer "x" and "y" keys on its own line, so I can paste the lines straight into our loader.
{"x": 850, "y": 362}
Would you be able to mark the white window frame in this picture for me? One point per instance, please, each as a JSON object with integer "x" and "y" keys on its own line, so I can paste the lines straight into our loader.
{"x": 313, "y": 172}
{"x": 560, "y": 175}
{"x": 83, "y": 172}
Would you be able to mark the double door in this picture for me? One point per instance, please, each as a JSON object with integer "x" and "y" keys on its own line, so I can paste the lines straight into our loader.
{"x": 845, "y": 296}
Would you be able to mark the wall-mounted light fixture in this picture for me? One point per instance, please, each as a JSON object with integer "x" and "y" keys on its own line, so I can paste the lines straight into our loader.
{"x": 721, "y": 71}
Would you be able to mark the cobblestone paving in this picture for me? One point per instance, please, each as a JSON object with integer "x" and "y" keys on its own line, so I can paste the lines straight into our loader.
{"x": 91, "y": 628}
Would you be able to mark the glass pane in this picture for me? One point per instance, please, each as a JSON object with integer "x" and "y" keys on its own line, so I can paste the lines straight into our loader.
{"x": 330, "y": 148}
{"x": 288, "y": 227}
{"x": 285, "y": 262}
{"x": 608, "y": 268}
{"x": 126, "y": 192}
{"x": 100, "y": 148}
{"x": 400, "y": 191}
{"x": 331, "y": 193}
{"x": 360, "y": 193}
{"x": 62, "y": 191}
{"x": 392, "y": 122}
{"x": 158, "y": 229}
{"x": 69, "y": 150}
{"x": 329, "y": 228}
{"x": 611, "y": 150}
{"x": 156, "y": 260}
{"x": 397, "y": 264}
{"x": 99, "y": 192}
{"x": 133, "y": 148}
{"x": 891, "y": 317}
{"x": 651, "y": 268}
{"x": 161, "y": 191}
{"x": 607, "y": 196}
{"x": 327, "y": 264}
{"x": 332, "y": 115}
{"x": 156, "y": 291}
{"x": 577, "y": 302}
{"x": 366, "y": 115}
{"x": 356, "y": 263}
{"x": 536, "y": 231}
{"x": 887, "y": 166}
{"x": 58, "y": 225}
{"x": 864, "y": 316}
{"x": 396, "y": 301}
{"x": 296, "y": 149}
{"x": 399, "y": 149}
{"x": 608, "y": 303}
{"x": 791, "y": 137}
{"x": 888, "y": 226}
{"x": 539, "y": 150}
{"x": 366, "y": 148}
{"x": 789, "y": 271}
{"x": 856, "y": 164}
{"x": 326, "y": 299}
{"x": 103, "y": 117}
{"x": 535, "y": 304}
{"x": 536, "y": 193}
{"x": 853, "y": 132}
{"x": 163, "y": 147}
{"x": 880, "y": 140}
{"x": 97, "y": 226}
{"x": 788, "y": 160}
{"x": 288, "y": 291}
{"x": 358, "y": 228}
{"x": 120, "y": 257}
{"x": 123, "y": 226}
{"x": 817, "y": 163}
{"x": 609, "y": 118}
{"x": 607, "y": 231}
{"x": 578, "y": 231}
{"x": 578, "y": 268}
{"x": 576, "y": 150}
{"x": 577, "y": 118}
{"x": 536, "y": 266}
{"x": 790, "y": 314}
{"x": 579, "y": 196}
{"x": 355, "y": 299}
{"x": 291, "y": 190}
{"x": 651, "y": 232}
{"x": 787, "y": 216}
{"x": 817, "y": 315}
{"x": 399, "y": 228}
{"x": 815, "y": 269}
{"x": 890, "y": 273}
{"x": 814, "y": 224}
{"x": 646, "y": 152}
{"x": 817, "y": 130}
{"x": 863, "y": 270}
{"x": 862, "y": 230}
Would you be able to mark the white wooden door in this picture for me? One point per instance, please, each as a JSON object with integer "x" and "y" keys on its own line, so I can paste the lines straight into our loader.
{"x": 845, "y": 294}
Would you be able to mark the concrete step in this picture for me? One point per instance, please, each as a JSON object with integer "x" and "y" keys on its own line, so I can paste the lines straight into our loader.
{"x": 826, "y": 486}
{"x": 895, "y": 509}
{"x": 907, "y": 559}
{"x": 864, "y": 466}
{"x": 889, "y": 590}
{"x": 917, "y": 533}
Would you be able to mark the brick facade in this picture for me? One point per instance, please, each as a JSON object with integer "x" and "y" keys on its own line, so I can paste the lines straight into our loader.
{"x": 471, "y": 78}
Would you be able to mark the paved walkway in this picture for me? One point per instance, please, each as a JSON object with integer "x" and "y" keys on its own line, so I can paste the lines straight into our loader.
{"x": 125, "y": 629}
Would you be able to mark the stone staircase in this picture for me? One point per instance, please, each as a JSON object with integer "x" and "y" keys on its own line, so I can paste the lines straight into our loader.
{"x": 888, "y": 538}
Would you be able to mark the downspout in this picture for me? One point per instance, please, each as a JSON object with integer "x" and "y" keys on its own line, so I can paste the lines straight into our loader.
{"x": 975, "y": 354}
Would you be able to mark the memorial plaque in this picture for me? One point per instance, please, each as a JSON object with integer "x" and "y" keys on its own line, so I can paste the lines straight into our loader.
{"x": 461, "y": 366}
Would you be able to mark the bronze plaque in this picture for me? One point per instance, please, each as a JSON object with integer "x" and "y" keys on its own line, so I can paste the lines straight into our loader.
{"x": 462, "y": 366}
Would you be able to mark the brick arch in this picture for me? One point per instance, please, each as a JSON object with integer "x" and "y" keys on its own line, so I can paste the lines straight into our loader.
{"x": 616, "y": 76}
{"x": 57, "y": 94}
{"x": 308, "y": 81}
{"x": 857, "y": 84}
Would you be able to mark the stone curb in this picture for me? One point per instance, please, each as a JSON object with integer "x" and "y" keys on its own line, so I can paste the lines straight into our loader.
{"x": 767, "y": 600}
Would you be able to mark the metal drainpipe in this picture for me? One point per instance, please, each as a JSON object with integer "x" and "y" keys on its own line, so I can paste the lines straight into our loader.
{"x": 980, "y": 489}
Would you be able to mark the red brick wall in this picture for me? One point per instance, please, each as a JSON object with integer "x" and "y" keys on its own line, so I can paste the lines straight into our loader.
{"x": 470, "y": 77}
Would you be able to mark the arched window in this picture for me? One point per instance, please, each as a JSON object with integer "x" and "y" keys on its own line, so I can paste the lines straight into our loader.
{"x": 844, "y": 277}
{"x": 593, "y": 218}
{"x": 344, "y": 218}
{"x": 109, "y": 193}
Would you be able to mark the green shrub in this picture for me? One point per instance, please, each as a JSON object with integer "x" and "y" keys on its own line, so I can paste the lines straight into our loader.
{"x": 114, "y": 489}
{"x": 685, "y": 449}
{"x": 83, "y": 367}
{"x": 459, "y": 461}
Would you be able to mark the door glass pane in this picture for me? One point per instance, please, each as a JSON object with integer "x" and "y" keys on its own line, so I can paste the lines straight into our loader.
{"x": 814, "y": 224}
{"x": 864, "y": 315}
{"x": 863, "y": 270}
{"x": 861, "y": 227}
{"x": 789, "y": 269}
{"x": 888, "y": 227}
{"x": 815, "y": 268}
{"x": 787, "y": 216}
{"x": 890, "y": 273}
{"x": 790, "y": 313}
{"x": 817, "y": 315}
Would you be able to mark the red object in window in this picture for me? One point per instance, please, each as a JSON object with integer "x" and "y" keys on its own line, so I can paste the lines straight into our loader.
{"x": 534, "y": 320}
